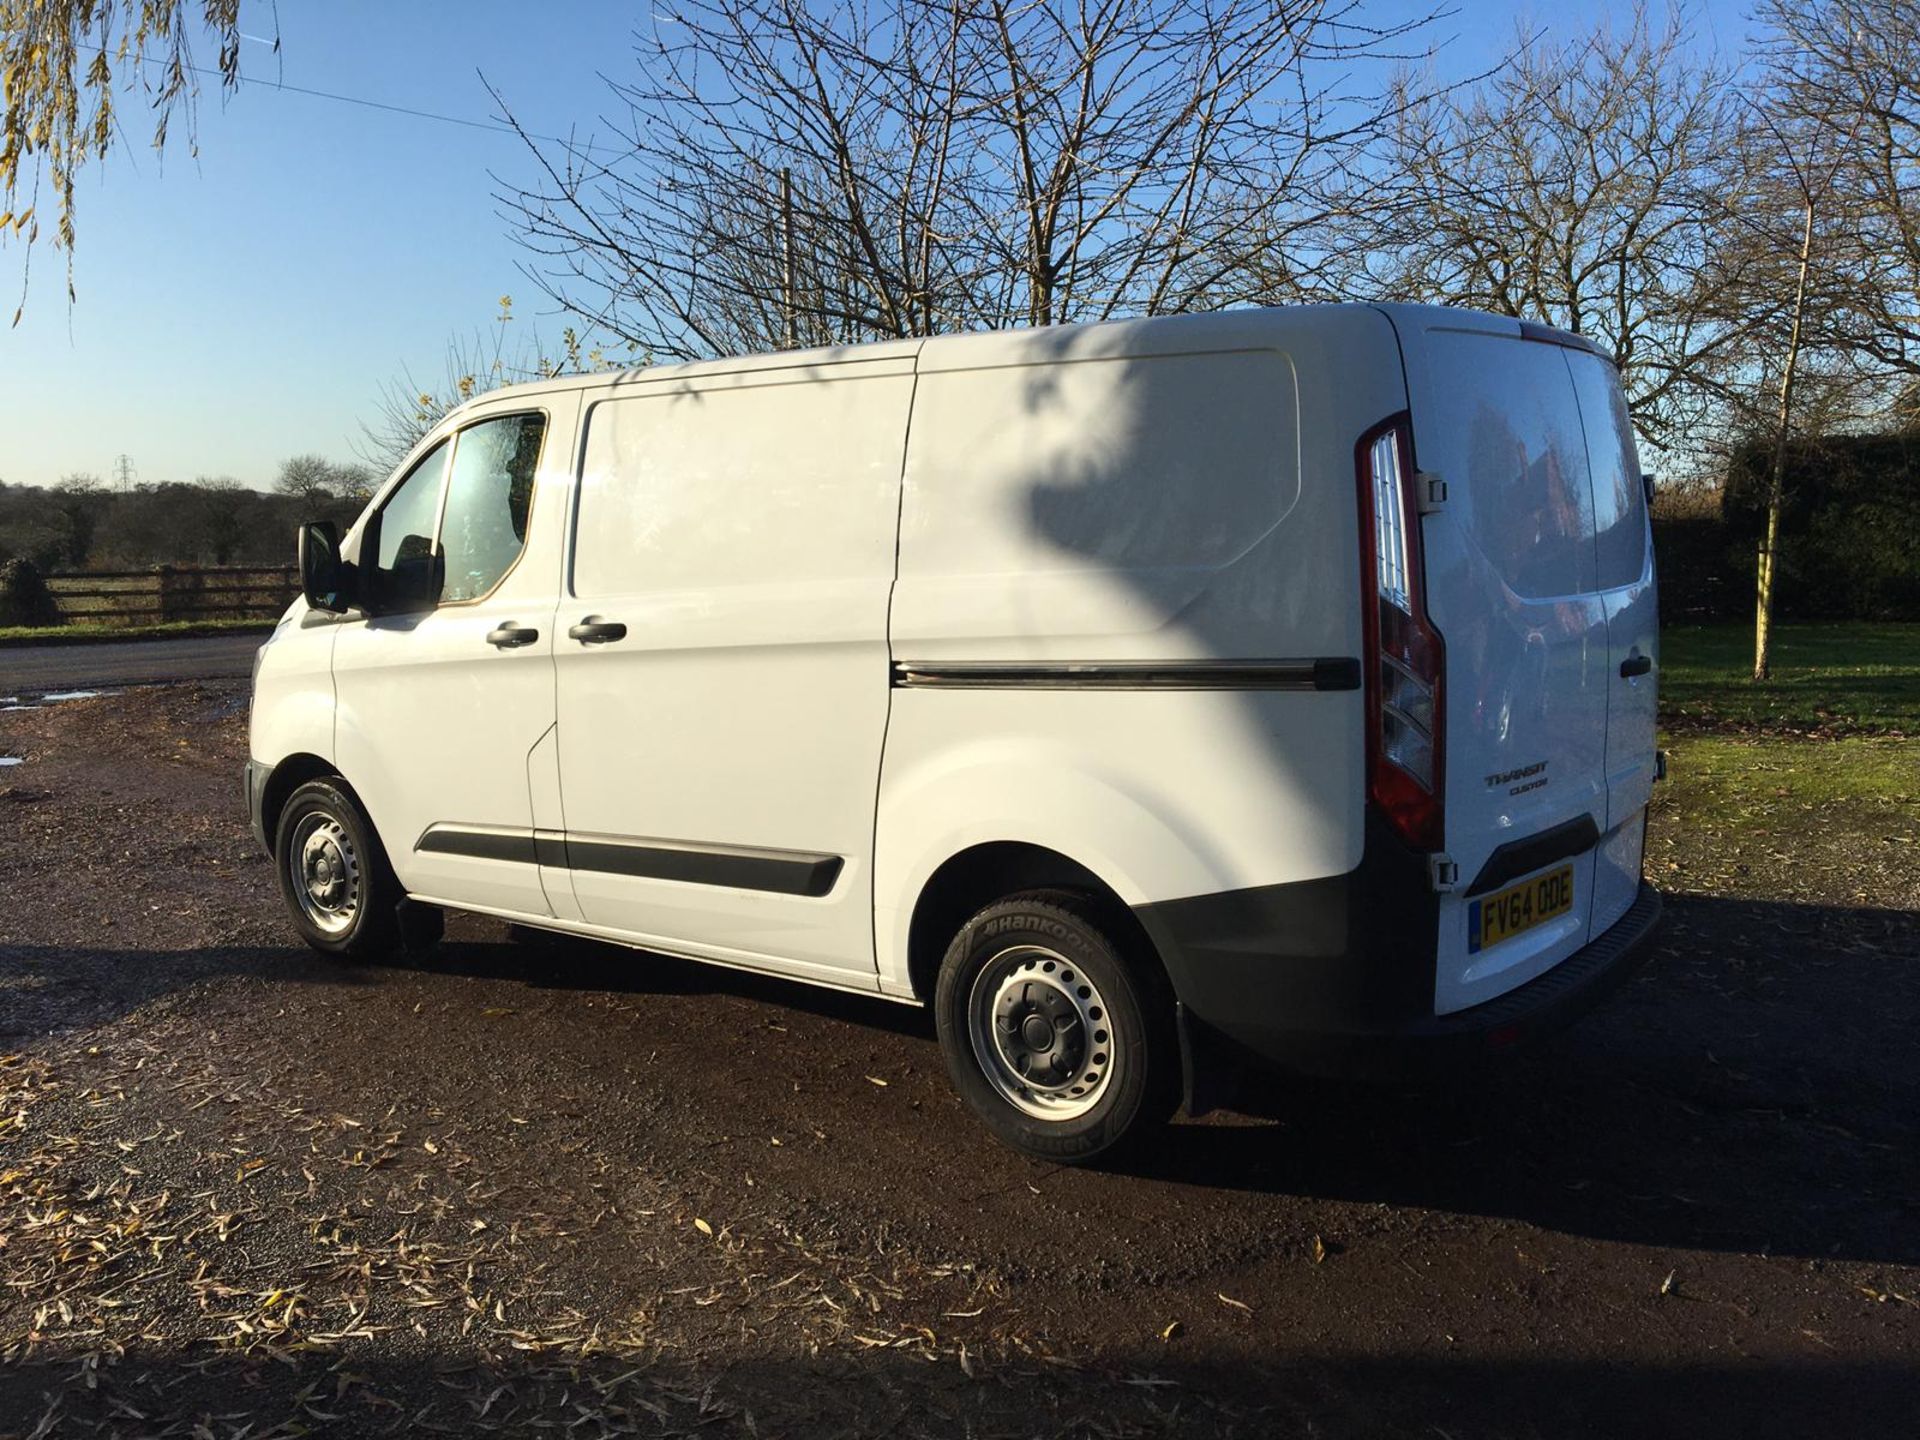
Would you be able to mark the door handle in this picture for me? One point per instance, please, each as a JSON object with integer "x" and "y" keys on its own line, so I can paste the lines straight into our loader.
{"x": 595, "y": 631}
{"x": 511, "y": 637}
{"x": 1635, "y": 665}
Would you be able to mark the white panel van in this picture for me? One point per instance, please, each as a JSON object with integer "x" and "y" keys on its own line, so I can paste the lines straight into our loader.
{"x": 1146, "y": 698}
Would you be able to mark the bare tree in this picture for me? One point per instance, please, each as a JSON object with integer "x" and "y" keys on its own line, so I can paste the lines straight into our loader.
{"x": 316, "y": 480}
{"x": 1800, "y": 261}
{"x": 60, "y": 61}
{"x": 1851, "y": 68}
{"x": 1578, "y": 186}
{"x": 405, "y": 410}
{"x": 804, "y": 173}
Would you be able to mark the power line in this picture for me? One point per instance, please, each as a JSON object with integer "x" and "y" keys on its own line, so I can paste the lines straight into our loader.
{"x": 471, "y": 124}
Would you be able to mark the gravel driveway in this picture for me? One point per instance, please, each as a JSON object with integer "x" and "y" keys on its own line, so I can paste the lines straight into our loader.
{"x": 556, "y": 1188}
{"x": 35, "y": 669}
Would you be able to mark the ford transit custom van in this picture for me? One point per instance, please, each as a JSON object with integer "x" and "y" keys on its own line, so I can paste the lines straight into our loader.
{"x": 1146, "y": 698}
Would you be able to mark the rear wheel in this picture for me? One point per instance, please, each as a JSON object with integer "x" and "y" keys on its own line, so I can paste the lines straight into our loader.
{"x": 1052, "y": 1037}
{"x": 333, "y": 874}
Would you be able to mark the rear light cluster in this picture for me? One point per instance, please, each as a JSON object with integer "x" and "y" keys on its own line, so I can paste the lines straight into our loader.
{"x": 1404, "y": 660}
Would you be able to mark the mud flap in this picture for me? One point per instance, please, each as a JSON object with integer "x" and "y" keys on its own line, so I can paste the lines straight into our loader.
{"x": 1205, "y": 1084}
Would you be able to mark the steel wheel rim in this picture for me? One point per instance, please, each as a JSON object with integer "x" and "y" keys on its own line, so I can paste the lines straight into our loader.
{"x": 1041, "y": 1032}
{"x": 325, "y": 872}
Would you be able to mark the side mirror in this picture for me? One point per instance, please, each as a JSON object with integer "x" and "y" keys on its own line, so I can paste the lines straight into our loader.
{"x": 324, "y": 576}
{"x": 1646, "y": 479}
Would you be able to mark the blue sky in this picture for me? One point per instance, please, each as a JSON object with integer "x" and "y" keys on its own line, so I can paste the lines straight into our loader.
{"x": 247, "y": 305}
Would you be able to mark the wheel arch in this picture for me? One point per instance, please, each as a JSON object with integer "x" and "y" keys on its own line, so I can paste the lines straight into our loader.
{"x": 286, "y": 777}
{"x": 973, "y": 878}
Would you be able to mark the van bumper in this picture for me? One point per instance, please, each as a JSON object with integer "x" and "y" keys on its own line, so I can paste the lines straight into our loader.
{"x": 256, "y": 793}
{"x": 1255, "y": 997}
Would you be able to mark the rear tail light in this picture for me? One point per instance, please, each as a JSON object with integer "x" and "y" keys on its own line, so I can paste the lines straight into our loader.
{"x": 1404, "y": 660}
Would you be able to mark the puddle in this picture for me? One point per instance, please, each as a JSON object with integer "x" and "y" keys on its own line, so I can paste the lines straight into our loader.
{"x": 5, "y": 708}
{"x": 6, "y": 760}
{"x": 71, "y": 695}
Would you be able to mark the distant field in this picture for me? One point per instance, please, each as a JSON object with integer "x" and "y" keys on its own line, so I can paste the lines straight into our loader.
{"x": 90, "y": 634}
{"x": 1837, "y": 679}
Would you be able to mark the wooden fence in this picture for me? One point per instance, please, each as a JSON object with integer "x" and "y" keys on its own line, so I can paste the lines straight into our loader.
{"x": 174, "y": 592}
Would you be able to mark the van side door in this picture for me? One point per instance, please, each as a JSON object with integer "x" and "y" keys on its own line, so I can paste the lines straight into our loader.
{"x": 444, "y": 692}
{"x": 722, "y": 663}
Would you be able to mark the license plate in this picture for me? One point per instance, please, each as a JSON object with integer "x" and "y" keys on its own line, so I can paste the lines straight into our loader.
{"x": 1506, "y": 913}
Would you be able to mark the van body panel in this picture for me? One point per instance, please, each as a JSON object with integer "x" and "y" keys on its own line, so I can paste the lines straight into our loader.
{"x": 1629, "y": 591}
{"x": 434, "y": 723}
{"x": 1340, "y": 1005}
{"x": 550, "y": 826}
{"x": 1511, "y": 576}
{"x": 293, "y": 702}
{"x": 1277, "y": 792}
{"x": 844, "y": 615}
{"x": 741, "y": 526}
{"x": 1140, "y": 491}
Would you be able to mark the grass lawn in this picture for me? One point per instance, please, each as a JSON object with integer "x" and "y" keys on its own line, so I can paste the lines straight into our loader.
{"x": 89, "y": 634}
{"x": 1822, "y": 761}
{"x": 1834, "y": 679}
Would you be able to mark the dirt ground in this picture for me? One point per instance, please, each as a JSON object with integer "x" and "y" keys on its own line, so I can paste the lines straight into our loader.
{"x": 543, "y": 1188}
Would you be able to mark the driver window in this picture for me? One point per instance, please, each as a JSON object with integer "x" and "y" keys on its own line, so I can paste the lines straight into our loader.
{"x": 407, "y": 522}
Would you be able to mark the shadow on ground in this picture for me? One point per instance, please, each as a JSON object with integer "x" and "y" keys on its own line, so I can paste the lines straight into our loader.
{"x": 371, "y": 1389}
{"x": 1752, "y": 1091}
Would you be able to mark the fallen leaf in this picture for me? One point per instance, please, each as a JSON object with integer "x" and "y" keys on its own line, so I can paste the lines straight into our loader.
{"x": 1319, "y": 1250}
{"x": 876, "y": 1080}
{"x": 1237, "y": 1304}
{"x": 1172, "y": 1330}
{"x": 1666, "y": 1285}
{"x": 702, "y": 1226}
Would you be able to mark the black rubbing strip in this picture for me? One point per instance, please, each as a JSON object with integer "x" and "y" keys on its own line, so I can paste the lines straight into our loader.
{"x": 771, "y": 871}
{"x": 1324, "y": 673}
{"x": 1536, "y": 852}
{"x": 810, "y": 875}
{"x": 480, "y": 844}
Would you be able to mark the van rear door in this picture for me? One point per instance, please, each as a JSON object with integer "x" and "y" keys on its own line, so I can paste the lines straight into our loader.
{"x": 1514, "y": 590}
{"x": 1623, "y": 543}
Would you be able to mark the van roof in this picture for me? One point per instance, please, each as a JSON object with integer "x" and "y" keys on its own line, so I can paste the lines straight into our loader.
{"x": 1025, "y": 345}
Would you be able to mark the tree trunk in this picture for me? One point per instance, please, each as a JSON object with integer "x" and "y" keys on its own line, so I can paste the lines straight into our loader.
{"x": 1776, "y": 484}
{"x": 789, "y": 297}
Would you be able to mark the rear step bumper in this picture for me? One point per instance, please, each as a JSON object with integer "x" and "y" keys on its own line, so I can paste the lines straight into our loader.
{"x": 1223, "y": 1028}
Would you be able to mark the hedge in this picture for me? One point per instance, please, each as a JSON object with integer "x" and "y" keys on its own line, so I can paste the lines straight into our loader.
{"x": 1849, "y": 536}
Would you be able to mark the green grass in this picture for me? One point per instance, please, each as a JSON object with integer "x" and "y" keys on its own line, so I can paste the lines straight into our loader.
{"x": 1773, "y": 772}
{"x": 1831, "y": 741}
{"x": 1832, "y": 679}
{"x": 86, "y": 634}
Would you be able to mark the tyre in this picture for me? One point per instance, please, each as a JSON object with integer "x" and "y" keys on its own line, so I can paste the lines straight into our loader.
{"x": 1059, "y": 1044}
{"x": 333, "y": 874}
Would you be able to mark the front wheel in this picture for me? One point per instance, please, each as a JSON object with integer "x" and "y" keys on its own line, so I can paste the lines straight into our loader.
{"x": 333, "y": 874}
{"x": 1052, "y": 1038}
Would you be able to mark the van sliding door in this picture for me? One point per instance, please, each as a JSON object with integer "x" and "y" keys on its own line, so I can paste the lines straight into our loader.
{"x": 722, "y": 665}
